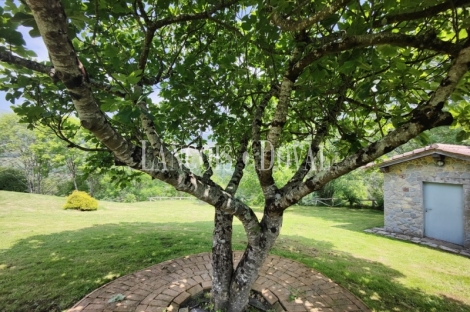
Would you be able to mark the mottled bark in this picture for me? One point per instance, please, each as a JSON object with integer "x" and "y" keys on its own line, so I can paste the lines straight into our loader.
{"x": 222, "y": 261}
{"x": 256, "y": 128}
{"x": 160, "y": 150}
{"x": 237, "y": 175}
{"x": 8, "y": 57}
{"x": 255, "y": 254}
{"x": 265, "y": 166}
{"x": 52, "y": 24}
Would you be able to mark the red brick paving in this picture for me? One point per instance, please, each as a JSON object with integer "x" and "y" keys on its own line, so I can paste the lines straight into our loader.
{"x": 164, "y": 286}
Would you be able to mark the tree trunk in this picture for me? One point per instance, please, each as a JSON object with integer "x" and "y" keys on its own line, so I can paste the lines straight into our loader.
{"x": 250, "y": 264}
{"x": 75, "y": 183}
{"x": 73, "y": 171}
{"x": 222, "y": 261}
{"x": 231, "y": 290}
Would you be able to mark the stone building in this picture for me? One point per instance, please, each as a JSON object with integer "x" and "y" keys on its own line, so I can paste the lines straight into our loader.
{"x": 427, "y": 193}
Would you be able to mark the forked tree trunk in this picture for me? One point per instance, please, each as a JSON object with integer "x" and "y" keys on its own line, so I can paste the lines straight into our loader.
{"x": 231, "y": 288}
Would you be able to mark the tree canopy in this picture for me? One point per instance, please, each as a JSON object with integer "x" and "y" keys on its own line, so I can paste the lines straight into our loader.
{"x": 363, "y": 76}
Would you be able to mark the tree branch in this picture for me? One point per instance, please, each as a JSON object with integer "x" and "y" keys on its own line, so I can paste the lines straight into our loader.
{"x": 428, "y": 12}
{"x": 237, "y": 175}
{"x": 60, "y": 134}
{"x": 207, "y": 166}
{"x": 194, "y": 16}
{"x": 427, "y": 41}
{"x": 10, "y": 58}
{"x": 265, "y": 174}
{"x": 159, "y": 148}
{"x": 289, "y": 25}
{"x": 321, "y": 131}
{"x": 52, "y": 21}
{"x": 256, "y": 128}
{"x": 423, "y": 117}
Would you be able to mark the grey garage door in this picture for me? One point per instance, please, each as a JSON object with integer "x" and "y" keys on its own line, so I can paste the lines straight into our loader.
{"x": 443, "y": 206}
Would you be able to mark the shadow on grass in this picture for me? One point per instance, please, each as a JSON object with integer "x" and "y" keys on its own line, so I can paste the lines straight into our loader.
{"x": 374, "y": 283}
{"x": 52, "y": 272}
{"x": 350, "y": 219}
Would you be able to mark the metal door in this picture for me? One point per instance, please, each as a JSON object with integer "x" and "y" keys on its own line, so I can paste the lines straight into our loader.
{"x": 443, "y": 212}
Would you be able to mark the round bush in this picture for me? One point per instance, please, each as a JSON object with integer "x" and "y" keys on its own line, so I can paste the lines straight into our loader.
{"x": 82, "y": 201}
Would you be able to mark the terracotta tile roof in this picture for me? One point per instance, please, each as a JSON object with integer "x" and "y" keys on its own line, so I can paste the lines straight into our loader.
{"x": 456, "y": 151}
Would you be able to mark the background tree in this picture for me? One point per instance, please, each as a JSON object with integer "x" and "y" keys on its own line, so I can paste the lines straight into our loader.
{"x": 365, "y": 76}
{"x": 26, "y": 151}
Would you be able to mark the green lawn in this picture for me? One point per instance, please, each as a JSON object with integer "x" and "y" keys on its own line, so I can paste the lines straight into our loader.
{"x": 50, "y": 258}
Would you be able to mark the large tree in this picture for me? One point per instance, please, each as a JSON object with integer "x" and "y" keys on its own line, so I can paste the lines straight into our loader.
{"x": 367, "y": 76}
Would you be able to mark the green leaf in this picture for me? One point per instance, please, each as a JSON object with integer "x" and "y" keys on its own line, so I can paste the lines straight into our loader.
{"x": 347, "y": 67}
{"x": 387, "y": 50}
{"x": 134, "y": 77}
{"x": 34, "y": 33}
{"x": 400, "y": 65}
{"x": 12, "y": 36}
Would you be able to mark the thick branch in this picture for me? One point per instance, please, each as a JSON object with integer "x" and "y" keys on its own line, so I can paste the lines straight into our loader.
{"x": 321, "y": 131}
{"x": 265, "y": 171}
{"x": 10, "y": 58}
{"x": 150, "y": 33}
{"x": 256, "y": 127}
{"x": 52, "y": 24}
{"x": 428, "y": 12}
{"x": 237, "y": 175}
{"x": 427, "y": 41}
{"x": 424, "y": 117}
{"x": 289, "y": 25}
{"x": 160, "y": 149}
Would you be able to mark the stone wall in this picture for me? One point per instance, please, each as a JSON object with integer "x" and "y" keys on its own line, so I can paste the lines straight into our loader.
{"x": 403, "y": 192}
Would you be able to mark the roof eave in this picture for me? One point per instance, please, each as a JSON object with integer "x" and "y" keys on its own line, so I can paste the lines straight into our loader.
{"x": 423, "y": 154}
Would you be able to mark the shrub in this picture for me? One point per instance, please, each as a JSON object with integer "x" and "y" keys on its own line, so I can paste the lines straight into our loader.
{"x": 378, "y": 195}
{"x": 130, "y": 198}
{"x": 13, "y": 180}
{"x": 351, "y": 187}
{"x": 81, "y": 200}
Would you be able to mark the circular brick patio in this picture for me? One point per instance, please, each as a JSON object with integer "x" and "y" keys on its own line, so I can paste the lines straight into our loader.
{"x": 168, "y": 284}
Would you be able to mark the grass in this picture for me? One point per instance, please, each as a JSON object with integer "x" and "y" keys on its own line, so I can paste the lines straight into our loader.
{"x": 50, "y": 257}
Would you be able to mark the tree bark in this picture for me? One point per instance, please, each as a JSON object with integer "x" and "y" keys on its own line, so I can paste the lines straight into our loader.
{"x": 250, "y": 264}
{"x": 222, "y": 260}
